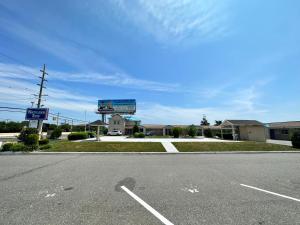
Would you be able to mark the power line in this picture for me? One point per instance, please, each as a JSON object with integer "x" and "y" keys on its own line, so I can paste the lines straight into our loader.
{"x": 18, "y": 61}
{"x": 23, "y": 110}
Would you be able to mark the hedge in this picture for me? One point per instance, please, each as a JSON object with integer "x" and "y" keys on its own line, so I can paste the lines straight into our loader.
{"x": 296, "y": 140}
{"x": 15, "y": 147}
{"x": 44, "y": 141}
{"x": 77, "y": 136}
{"x": 6, "y": 147}
{"x": 139, "y": 135}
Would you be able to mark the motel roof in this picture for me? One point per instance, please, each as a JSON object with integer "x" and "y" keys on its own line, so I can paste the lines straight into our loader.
{"x": 243, "y": 123}
{"x": 288, "y": 124}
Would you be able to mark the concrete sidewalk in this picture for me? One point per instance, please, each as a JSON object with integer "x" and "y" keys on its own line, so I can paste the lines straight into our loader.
{"x": 126, "y": 139}
{"x": 279, "y": 142}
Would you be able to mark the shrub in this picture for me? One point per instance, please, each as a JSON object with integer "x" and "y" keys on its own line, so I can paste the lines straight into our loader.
{"x": 139, "y": 135}
{"x": 31, "y": 141}
{"x": 44, "y": 147}
{"x": 296, "y": 140}
{"x": 44, "y": 141}
{"x": 105, "y": 130}
{"x": 18, "y": 147}
{"x": 208, "y": 133}
{"x": 6, "y": 147}
{"x": 135, "y": 129}
{"x": 56, "y": 133}
{"x": 192, "y": 131}
{"x": 77, "y": 136}
{"x": 91, "y": 134}
{"x": 25, "y": 132}
{"x": 176, "y": 132}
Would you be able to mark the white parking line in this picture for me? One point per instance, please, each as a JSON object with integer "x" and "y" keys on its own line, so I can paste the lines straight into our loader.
{"x": 148, "y": 207}
{"x": 270, "y": 192}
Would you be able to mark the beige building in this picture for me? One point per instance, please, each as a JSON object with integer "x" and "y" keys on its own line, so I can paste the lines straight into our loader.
{"x": 282, "y": 130}
{"x": 251, "y": 130}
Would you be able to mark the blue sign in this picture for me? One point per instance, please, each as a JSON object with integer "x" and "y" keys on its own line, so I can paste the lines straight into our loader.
{"x": 37, "y": 114}
{"x": 121, "y": 106}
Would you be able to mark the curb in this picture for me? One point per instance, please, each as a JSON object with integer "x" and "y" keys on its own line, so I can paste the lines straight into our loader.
{"x": 142, "y": 153}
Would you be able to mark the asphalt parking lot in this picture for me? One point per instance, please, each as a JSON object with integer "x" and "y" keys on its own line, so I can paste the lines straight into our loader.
{"x": 150, "y": 189}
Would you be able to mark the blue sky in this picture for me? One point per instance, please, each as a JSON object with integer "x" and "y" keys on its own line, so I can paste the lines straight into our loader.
{"x": 178, "y": 59}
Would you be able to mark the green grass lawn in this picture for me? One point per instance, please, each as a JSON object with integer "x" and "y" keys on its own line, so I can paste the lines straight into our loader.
{"x": 67, "y": 146}
{"x": 229, "y": 146}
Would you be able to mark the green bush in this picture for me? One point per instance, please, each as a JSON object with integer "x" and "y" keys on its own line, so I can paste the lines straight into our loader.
{"x": 44, "y": 141}
{"x": 6, "y": 147}
{"x": 176, "y": 132}
{"x": 44, "y": 147}
{"x": 91, "y": 134}
{"x": 18, "y": 147}
{"x": 105, "y": 130}
{"x": 77, "y": 136}
{"x": 31, "y": 141}
{"x": 208, "y": 133}
{"x": 56, "y": 133}
{"x": 296, "y": 140}
{"x": 135, "y": 129}
{"x": 25, "y": 132}
{"x": 139, "y": 135}
{"x": 192, "y": 130}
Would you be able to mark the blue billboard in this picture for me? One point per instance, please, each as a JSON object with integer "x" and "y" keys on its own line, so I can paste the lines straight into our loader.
{"x": 120, "y": 106}
{"x": 37, "y": 114}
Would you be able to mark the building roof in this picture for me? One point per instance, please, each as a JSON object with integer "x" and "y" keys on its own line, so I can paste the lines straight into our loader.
{"x": 288, "y": 124}
{"x": 97, "y": 123}
{"x": 154, "y": 126}
{"x": 244, "y": 122}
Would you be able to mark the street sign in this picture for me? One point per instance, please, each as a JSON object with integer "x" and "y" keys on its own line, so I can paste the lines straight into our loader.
{"x": 37, "y": 114}
{"x": 33, "y": 123}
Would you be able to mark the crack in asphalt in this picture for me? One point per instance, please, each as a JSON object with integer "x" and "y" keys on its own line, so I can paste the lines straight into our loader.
{"x": 34, "y": 169}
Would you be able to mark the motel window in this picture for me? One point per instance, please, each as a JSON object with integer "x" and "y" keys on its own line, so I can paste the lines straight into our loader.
{"x": 285, "y": 132}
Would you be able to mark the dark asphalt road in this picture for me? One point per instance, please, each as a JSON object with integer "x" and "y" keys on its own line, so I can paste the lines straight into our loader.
{"x": 186, "y": 189}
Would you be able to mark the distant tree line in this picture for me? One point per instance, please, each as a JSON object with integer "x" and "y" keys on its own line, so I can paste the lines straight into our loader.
{"x": 15, "y": 127}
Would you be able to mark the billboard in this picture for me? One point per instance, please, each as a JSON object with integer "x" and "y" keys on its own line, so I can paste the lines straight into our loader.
{"x": 121, "y": 106}
{"x": 37, "y": 114}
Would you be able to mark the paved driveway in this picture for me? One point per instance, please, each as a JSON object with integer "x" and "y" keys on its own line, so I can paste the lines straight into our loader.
{"x": 182, "y": 189}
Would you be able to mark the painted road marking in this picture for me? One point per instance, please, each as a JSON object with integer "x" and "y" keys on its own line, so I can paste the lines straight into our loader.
{"x": 148, "y": 207}
{"x": 270, "y": 192}
{"x": 169, "y": 147}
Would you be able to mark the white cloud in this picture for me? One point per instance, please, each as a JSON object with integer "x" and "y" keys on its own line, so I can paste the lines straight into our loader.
{"x": 174, "y": 21}
{"x": 113, "y": 79}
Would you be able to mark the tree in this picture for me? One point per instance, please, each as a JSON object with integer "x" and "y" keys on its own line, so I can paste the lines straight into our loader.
{"x": 204, "y": 122}
{"x": 177, "y": 132}
{"x": 192, "y": 130}
{"x": 135, "y": 129}
{"x": 218, "y": 122}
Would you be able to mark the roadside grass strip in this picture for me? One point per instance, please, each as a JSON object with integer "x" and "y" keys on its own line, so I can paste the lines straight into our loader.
{"x": 67, "y": 146}
{"x": 229, "y": 146}
{"x": 270, "y": 192}
{"x": 148, "y": 207}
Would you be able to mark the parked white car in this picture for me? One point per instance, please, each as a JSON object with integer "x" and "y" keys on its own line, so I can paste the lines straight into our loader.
{"x": 114, "y": 133}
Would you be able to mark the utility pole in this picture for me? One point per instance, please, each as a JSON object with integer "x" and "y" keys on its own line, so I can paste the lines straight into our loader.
{"x": 40, "y": 95}
{"x": 57, "y": 118}
{"x": 85, "y": 121}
